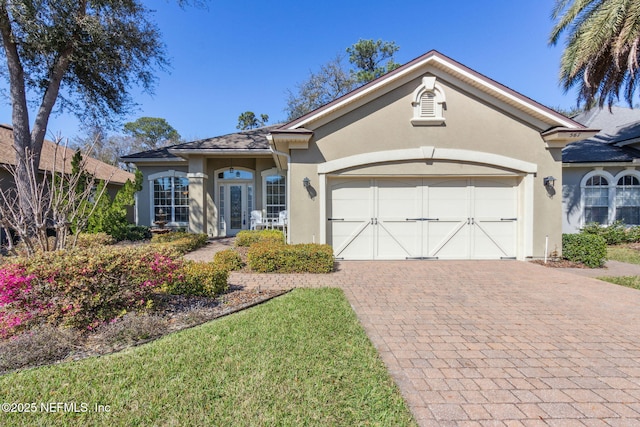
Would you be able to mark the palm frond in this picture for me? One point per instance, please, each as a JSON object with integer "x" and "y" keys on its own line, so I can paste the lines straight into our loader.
{"x": 601, "y": 55}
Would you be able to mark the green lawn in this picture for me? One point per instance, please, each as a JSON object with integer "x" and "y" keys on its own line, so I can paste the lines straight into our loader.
{"x": 628, "y": 281}
{"x": 300, "y": 359}
{"x": 623, "y": 253}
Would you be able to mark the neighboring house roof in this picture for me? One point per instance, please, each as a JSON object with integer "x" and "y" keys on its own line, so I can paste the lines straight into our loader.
{"x": 619, "y": 127}
{"x": 252, "y": 141}
{"x": 51, "y": 151}
{"x": 590, "y": 151}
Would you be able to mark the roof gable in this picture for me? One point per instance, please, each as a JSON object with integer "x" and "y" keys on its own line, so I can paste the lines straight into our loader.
{"x": 436, "y": 62}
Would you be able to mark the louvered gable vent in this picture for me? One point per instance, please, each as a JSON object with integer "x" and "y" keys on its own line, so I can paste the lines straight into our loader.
{"x": 428, "y": 105}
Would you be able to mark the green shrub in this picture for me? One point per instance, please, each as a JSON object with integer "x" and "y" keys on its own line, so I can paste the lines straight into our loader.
{"x": 613, "y": 234}
{"x": 199, "y": 278}
{"x": 90, "y": 240}
{"x": 110, "y": 216}
{"x": 136, "y": 233}
{"x": 633, "y": 234}
{"x": 249, "y": 237}
{"x": 302, "y": 258}
{"x": 229, "y": 259}
{"x": 589, "y": 249}
{"x": 180, "y": 241}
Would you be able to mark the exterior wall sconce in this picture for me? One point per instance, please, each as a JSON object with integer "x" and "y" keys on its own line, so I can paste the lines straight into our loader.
{"x": 306, "y": 182}
{"x": 549, "y": 181}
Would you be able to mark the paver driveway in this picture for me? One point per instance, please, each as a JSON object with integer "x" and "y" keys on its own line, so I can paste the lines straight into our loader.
{"x": 476, "y": 343}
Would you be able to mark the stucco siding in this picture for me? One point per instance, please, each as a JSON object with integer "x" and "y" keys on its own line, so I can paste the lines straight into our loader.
{"x": 471, "y": 124}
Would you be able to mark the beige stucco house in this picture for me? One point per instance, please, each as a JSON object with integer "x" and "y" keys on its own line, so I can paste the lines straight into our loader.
{"x": 430, "y": 161}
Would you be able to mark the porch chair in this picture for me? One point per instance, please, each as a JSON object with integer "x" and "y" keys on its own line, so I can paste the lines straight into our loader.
{"x": 282, "y": 220}
{"x": 282, "y": 223}
{"x": 256, "y": 221}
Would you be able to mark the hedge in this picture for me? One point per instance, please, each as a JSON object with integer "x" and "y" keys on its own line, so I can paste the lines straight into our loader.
{"x": 180, "y": 241}
{"x": 199, "y": 278}
{"x": 615, "y": 233}
{"x": 589, "y": 249}
{"x": 249, "y": 237}
{"x": 265, "y": 257}
{"x": 229, "y": 259}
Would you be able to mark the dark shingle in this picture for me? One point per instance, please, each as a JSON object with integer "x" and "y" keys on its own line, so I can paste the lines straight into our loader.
{"x": 253, "y": 139}
{"x": 618, "y": 126}
{"x": 589, "y": 151}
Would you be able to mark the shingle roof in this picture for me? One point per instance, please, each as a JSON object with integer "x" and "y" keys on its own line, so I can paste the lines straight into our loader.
{"x": 589, "y": 151}
{"x": 618, "y": 127}
{"x": 101, "y": 170}
{"x": 158, "y": 154}
{"x": 249, "y": 140}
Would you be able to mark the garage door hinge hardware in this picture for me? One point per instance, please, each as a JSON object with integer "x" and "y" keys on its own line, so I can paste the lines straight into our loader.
{"x": 508, "y": 219}
{"x": 335, "y": 219}
{"x": 374, "y": 221}
{"x": 422, "y": 219}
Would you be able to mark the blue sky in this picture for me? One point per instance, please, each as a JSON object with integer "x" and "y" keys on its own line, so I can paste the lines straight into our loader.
{"x": 244, "y": 55}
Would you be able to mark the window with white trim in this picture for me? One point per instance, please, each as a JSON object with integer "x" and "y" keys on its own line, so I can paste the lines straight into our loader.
{"x": 428, "y": 103}
{"x": 274, "y": 193}
{"x": 170, "y": 197}
{"x": 628, "y": 200}
{"x": 596, "y": 200}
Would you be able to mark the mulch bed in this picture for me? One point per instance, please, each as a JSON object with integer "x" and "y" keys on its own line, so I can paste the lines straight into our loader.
{"x": 177, "y": 313}
{"x": 559, "y": 263}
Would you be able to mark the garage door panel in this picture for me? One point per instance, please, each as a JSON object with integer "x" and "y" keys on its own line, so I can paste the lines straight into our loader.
{"x": 446, "y": 199}
{"x": 494, "y": 199}
{"x": 352, "y": 239}
{"x": 398, "y": 199}
{"x": 352, "y": 199}
{"x": 493, "y": 239}
{"x": 447, "y": 239}
{"x": 398, "y": 239}
{"x": 351, "y": 212}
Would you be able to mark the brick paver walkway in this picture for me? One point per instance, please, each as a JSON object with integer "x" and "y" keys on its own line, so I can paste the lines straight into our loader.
{"x": 479, "y": 343}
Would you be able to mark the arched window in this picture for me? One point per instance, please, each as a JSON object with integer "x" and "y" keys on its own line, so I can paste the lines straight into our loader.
{"x": 170, "y": 197}
{"x": 596, "y": 200}
{"x": 428, "y": 103}
{"x": 628, "y": 200}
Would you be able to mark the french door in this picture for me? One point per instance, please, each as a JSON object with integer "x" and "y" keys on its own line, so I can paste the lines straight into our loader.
{"x": 235, "y": 204}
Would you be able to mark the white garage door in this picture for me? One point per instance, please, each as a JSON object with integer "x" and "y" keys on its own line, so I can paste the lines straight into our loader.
{"x": 423, "y": 218}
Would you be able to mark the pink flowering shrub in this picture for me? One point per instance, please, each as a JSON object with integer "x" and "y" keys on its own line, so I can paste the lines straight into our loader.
{"x": 85, "y": 288}
{"x": 16, "y": 303}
